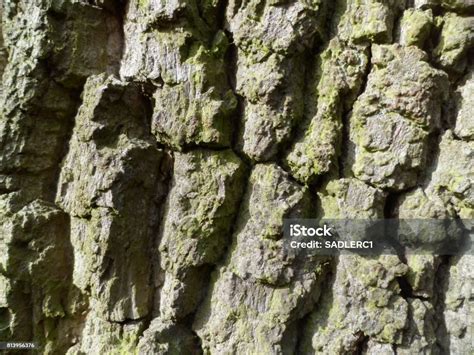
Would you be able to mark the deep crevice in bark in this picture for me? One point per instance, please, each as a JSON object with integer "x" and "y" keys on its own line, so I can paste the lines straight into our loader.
{"x": 439, "y": 303}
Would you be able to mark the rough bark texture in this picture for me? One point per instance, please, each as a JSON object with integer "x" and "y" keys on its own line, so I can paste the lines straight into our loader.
{"x": 150, "y": 150}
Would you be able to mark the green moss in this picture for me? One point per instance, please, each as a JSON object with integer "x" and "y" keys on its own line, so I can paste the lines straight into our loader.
{"x": 415, "y": 27}
{"x": 143, "y": 4}
{"x": 200, "y": 234}
{"x": 127, "y": 345}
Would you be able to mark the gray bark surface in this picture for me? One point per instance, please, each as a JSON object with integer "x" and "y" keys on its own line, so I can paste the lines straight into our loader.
{"x": 150, "y": 150}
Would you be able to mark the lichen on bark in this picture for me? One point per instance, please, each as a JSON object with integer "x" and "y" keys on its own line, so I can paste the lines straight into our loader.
{"x": 150, "y": 151}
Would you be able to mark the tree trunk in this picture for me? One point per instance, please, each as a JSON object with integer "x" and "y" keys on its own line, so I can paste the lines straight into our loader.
{"x": 150, "y": 151}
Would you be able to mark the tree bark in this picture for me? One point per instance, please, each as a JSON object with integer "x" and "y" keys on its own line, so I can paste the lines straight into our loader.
{"x": 150, "y": 151}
